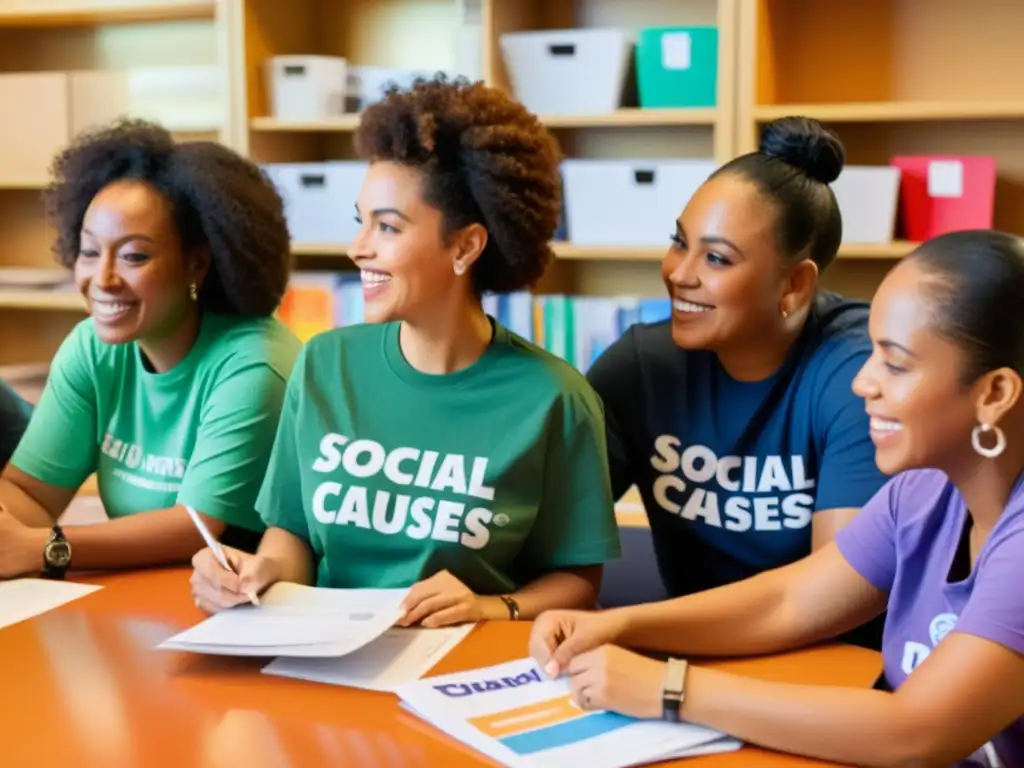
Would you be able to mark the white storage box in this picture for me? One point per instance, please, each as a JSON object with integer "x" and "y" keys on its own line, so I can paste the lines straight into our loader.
{"x": 868, "y": 198}
{"x": 573, "y": 71}
{"x": 320, "y": 199}
{"x": 628, "y": 202}
{"x": 305, "y": 87}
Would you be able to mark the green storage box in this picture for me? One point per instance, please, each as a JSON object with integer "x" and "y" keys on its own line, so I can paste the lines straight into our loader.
{"x": 677, "y": 67}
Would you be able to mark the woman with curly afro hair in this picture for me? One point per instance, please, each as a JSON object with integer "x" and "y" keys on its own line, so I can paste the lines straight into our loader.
{"x": 171, "y": 391}
{"x": 430, "y": 447}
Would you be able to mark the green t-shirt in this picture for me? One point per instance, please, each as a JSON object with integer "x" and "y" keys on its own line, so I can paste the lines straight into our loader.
{"x": 199, "y": 434}
{"x": 497, "y": 473}
{"x": 14, "y": 416}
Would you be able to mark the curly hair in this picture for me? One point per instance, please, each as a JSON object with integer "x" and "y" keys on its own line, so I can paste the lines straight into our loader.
{"x": 486, "y": 160}
{"x": 219, "y": 200}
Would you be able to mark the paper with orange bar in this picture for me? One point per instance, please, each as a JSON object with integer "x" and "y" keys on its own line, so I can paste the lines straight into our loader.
{"x": 516, "y": 715}
{"x": 538, "y": 715}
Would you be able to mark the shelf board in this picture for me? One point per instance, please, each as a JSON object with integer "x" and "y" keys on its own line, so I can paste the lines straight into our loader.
{"x": 895, "y": 111}
{"x": 319, "y": 249}
{"x": 24, "y": 184}
{"x": 609, "y": 252}
{"x": 634, "y": 117}
{"x": 866, "y": 251}
{"x": 273, "y": 125}
{"x": 43, "y": 300}
{"x": 893, "y": 250}
{"x": 621, "y": 118}
{"x": 87, "y": 13}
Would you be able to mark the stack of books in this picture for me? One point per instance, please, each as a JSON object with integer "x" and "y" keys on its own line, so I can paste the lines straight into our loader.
{"x": 576, "y": 328}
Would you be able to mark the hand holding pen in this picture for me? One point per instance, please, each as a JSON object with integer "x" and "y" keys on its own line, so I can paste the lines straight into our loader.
{"x": 224, "y": 577}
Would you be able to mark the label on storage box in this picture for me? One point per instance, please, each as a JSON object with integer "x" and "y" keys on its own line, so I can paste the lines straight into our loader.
{"x": 945, "y": 178}
{"x": 676, "y": 50}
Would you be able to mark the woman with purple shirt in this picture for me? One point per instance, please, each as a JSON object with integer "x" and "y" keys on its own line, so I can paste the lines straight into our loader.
{"x": 941, "y": 546}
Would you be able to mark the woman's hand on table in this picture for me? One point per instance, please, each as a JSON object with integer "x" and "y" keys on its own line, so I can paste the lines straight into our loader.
{"x": 558, "y": 637}
{"x": 618, "y": 680}
{"x": 442, "y": 600}
{"x": 216, "y": 589}
{"x": 580, "y": 645}
{"x": 21, "y": 547}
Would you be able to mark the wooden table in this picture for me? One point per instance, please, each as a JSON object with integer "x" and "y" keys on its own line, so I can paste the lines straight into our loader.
{"x": 83, "y": 686}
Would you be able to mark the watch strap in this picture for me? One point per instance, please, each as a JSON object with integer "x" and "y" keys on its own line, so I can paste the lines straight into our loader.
{"x": 512, "y": 605}
{"x": 673, "y": 689}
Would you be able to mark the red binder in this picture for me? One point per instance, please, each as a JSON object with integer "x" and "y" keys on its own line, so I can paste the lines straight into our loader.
{"x": 945, "y": 193}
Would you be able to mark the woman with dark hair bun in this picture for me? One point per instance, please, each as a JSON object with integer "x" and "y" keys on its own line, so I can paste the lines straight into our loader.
{"x": 940, "y": 546}
{"x": 431, "y": 447}
{"x": 735, "y": 418}
{"x": 170, "y": 391}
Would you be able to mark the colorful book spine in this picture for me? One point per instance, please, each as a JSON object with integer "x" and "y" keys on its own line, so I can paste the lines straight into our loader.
{"x": 576, "y": 328}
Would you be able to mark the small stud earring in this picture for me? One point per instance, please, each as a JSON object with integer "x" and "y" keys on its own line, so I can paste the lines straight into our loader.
{"x": 193, "y": 291}
{"x": 785, "y": 314}
{"x": 459, "y": 269}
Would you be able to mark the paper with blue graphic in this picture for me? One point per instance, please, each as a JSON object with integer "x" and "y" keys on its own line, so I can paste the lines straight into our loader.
{"x": 516, "y": 715}
{"x": 296, "y": 620}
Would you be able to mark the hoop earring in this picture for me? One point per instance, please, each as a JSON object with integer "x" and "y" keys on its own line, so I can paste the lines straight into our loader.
{"x": 995, "y": 450}
{"x": 193, "y": 291}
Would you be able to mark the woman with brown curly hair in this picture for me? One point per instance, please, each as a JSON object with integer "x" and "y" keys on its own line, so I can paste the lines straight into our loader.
{"x": 171, "y": 391}
{"x": 431, "y": 447}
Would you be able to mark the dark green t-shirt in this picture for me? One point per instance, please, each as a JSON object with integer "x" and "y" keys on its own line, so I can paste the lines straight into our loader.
{"x": 497, "y": 473}
{"x": 14, "y": 416}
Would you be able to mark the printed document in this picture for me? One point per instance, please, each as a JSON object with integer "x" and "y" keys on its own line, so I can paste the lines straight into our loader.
{"x": 295, "y": 620}
{"x": 399, "y": 656}
{"x": 22, "y": 599}
{"x": 516, "y": 715}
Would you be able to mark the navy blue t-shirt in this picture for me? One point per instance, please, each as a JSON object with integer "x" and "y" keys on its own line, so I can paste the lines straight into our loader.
{"x": 732, "y": 472}
{"x": 14, "y": 417}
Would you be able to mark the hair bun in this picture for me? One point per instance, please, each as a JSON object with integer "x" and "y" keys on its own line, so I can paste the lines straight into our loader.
{"x": 805, "y": 144}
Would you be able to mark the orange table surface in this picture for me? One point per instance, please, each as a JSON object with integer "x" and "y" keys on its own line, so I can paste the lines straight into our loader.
{"x": 83, "y": 685}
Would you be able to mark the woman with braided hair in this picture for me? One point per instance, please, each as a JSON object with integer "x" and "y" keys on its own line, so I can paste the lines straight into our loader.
{"x": 431, "y": 447}
{"x": 171, "y": 390}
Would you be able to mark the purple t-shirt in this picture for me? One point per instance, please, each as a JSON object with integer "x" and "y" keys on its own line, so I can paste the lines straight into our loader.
{"x": 904, "y": 541}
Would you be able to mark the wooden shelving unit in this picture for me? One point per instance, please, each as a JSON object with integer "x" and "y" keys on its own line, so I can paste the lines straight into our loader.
{"x": 407, "y": 34}
{"x": 91, "y": 13}
{"x": 48, "y": 40}
{"x": 886, "y": 82}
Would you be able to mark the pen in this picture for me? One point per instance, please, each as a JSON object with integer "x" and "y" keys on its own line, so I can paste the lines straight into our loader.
{"x": 215, "y": 547}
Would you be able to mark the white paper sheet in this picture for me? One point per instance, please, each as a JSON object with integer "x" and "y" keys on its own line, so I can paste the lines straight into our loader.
{"x": 399, "y": 656}
{"x": 22, "y": 599}
{"x": 514, "y": 714}
{"x": 294, "y": 620}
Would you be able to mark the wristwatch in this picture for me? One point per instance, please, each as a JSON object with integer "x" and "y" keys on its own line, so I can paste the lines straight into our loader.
{"x": 513, "y": 607}
{"x": 673, "y": 689}
{"x": 56, "y": 555}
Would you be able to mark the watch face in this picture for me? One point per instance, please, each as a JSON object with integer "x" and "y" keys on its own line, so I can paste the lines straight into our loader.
{"x": 58, "y": 553}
